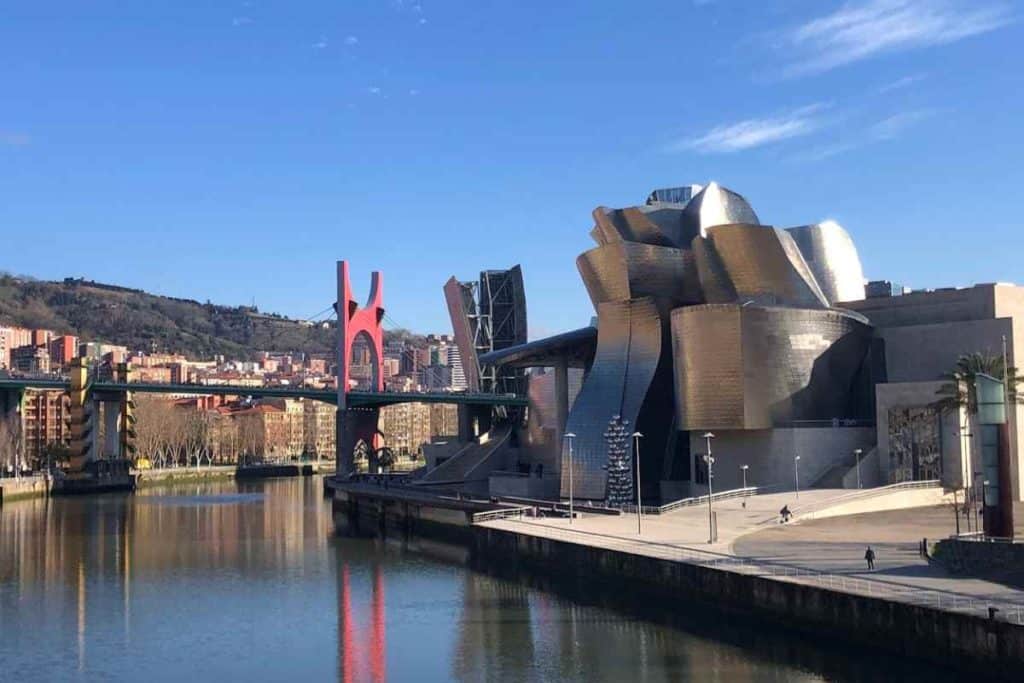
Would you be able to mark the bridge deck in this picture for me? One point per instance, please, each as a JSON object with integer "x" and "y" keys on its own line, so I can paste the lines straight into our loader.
{"x": 355, "y": 398}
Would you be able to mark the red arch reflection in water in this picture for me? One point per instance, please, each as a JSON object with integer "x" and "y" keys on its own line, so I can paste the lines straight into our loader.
{"x": 346, "y": 641}
{"x": 349, "y": 655}
{"x": 378, "y": 646}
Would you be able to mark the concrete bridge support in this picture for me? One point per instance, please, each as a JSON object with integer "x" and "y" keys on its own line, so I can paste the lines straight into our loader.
{"x": 474, "y": 420}
{"x": 88, "y": 407}
{"x": 10, "y": 402}
{"x": 356, "y": 425}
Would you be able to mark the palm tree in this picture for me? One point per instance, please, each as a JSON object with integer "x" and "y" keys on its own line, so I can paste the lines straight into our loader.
{"x": 960, "y": 389}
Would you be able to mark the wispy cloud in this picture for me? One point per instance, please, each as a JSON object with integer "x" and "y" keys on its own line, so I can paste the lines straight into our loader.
{"x": 351, "y": 40}
{"x": 865, "y": 28}
{"x": 320, "y": 44}
{"x": 14, "y": 139}
{"x": 883, "y": 130}
{"x": 891, "y": 126}
{"x": 901, "y": 83}
{"x": 241, "y": 21}
{"x": 374, "y": 90}
{"x": 749, "y": 133}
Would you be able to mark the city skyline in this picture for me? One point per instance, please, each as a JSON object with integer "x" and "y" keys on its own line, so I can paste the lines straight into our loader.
{"x": 204, "y": 152}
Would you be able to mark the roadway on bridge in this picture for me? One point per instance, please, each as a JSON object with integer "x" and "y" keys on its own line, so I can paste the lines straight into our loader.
{"x": 354, "y": 398}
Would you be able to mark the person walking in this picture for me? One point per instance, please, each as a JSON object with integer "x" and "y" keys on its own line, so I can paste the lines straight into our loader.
{"x": 869, "y": 555}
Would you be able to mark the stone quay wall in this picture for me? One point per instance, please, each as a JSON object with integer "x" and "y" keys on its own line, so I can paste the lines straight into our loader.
{"x": 960, "y": 639}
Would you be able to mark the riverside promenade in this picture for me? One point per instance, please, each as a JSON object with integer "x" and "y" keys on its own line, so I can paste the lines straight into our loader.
{"x": 817, "y": 547}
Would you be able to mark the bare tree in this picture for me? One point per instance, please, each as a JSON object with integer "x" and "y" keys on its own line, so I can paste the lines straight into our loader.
{"x": 156, "y": 427}
{"x": 250, "y": 436}
{"x": 10, "y": 443}
{"x": 194, "y": 433}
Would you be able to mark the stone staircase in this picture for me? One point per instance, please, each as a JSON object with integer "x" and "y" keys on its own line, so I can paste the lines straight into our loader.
{"x": 463, "y": 466}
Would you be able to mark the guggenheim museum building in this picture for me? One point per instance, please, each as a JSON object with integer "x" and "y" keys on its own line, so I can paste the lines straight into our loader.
{"x": 712, "y": 328}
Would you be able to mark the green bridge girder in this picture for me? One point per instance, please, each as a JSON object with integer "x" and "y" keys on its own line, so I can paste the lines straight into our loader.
{"x": 355, "y": 398}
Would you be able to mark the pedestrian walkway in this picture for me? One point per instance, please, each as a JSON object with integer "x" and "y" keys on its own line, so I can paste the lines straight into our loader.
{"x": 826, "y": 552}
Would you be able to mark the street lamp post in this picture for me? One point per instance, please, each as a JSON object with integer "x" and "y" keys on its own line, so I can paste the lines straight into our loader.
{"x": 710, "y": 460}
{"x": 856, "y": 455}
{"x": 570, "y": 436}
{"x": 984, "y": 507}
{"x": 744, "y": 469}
{"x": 796, "y": 474}
{"x": 636, "y": 449}
{"x": 979, "y": 526}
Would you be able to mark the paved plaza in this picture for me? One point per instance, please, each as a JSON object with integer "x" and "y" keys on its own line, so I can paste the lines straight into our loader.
{"x": 827, "y": 551}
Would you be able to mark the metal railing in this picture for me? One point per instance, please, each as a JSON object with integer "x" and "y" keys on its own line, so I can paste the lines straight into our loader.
{"x": 698, "y": 500}
{"x": 865, "y": 493}
{"x": 1008, "y": 611}
{"x": 504, "y": 513}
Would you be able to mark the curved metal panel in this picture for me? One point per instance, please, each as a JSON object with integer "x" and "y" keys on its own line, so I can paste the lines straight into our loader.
{"x": 832, "y": 257}
{"x": 629, "y": 225}
{"x": 713, "y": 281}
{"x": 669, "y": 220}
{"x": 716, "y": 205}
{"x": 628, "y": 349}
{"x": 764, "y": 265}
{"x": 752, "y": 367}
{"x": 627, "y": 270}
{"x": 575, "y": 348}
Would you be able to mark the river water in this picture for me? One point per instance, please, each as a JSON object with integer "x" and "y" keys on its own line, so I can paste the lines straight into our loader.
{"x": 247, "y": 581}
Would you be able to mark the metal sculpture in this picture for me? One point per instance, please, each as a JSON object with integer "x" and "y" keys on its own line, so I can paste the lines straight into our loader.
{"x": 356, "y": 425}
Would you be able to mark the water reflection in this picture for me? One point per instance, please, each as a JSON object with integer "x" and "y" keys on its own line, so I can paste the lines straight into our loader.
{"x": 225, "y": 581}
{"x": 362, "y": 647}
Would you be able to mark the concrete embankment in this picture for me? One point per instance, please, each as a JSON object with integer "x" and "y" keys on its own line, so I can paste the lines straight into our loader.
{"x": 1004, "y": 561}
{"x": 38, "y": 487}
{"x": 21, "y": 489}
{"x": 950, "y": 638}
{"x": 960, "y": 639}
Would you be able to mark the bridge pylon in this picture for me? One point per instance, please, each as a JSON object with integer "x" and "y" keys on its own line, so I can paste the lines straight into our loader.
{"x": 83, "y": 433}
{"x": 355, "y": 425}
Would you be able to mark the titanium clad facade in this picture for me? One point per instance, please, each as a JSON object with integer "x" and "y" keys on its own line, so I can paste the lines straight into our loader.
{"x": 669, "y": 219}
{"x": 832, "y": 257}
{"x": 750, "y": 367}
{"x": 714, "y": 281}
{"x": 706, "y": 320}
{"x": 764, "y": 265}
{"x": 708, "y": 367}
{"x": 629, "y": 225}
{"x": 629, "y": 345}
{"x": 715, "y": 205}
{"x": 627, "y": 270}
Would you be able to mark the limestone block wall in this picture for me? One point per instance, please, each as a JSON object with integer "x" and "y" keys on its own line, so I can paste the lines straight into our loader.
{"x": 769, "y": 453}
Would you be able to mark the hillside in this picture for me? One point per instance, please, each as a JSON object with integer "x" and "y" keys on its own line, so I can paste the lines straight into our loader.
{"x": 142, "y": 321}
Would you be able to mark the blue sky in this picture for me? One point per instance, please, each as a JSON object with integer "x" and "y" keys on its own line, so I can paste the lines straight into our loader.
{"x": 233, "y": 151}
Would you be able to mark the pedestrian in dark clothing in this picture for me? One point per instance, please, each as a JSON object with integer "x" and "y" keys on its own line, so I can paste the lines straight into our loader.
{"x": 869, "y": 555}
{"x": 784, "y": 514}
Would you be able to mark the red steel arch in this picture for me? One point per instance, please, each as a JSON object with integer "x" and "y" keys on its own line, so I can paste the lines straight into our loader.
{"x": 354, "y": 321}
